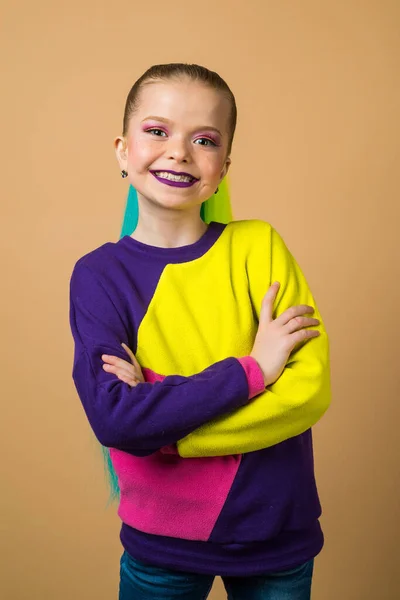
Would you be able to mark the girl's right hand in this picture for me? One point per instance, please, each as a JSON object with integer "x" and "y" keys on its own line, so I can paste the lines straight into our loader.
{"x": 276, "y": 339}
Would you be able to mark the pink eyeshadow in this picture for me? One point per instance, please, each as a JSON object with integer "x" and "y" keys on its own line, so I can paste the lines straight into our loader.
{"x": 155, "y": 126}
{"x": 212, "y": 137}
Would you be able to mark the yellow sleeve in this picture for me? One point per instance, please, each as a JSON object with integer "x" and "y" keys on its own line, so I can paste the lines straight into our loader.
{"x": 299, "y": 397}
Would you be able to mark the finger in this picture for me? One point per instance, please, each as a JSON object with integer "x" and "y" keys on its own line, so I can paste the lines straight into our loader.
{"x": 128, "y": 351}
{"x": 116, "y": 360}
{"x": 135, "y": 363}
{"x": 292, "y": 312}
{"x": 123, "y": 369}
{"x": 299, "y": 323}
{"x": 126, "y": 370}
{"x": 117, "y": 369}
{"x": 129, "y": 380}
{"x": 132, "y": 356}
{"x": 268, "y": 302}
{"x": 109, "y": 359}
{"x": 123, "y": 376}
{"x": 303, "y": 335}
{"x": 120, "y": 365}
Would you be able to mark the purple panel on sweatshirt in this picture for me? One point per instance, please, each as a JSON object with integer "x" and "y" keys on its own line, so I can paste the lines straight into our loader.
{"x": 278, "y": 484}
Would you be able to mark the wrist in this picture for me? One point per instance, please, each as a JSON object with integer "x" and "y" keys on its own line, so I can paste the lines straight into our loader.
{"x": 254, "y": 374}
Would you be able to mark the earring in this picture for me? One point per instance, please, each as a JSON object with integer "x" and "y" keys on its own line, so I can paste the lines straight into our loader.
{"x": 124, "y": 173}
{"x": 216, "y": 191}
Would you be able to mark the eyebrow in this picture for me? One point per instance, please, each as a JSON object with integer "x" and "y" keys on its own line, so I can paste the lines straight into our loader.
{"x": 208, "y": 127}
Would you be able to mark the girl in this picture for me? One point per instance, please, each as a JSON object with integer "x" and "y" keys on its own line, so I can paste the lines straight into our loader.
{"x": 207, "y": 425}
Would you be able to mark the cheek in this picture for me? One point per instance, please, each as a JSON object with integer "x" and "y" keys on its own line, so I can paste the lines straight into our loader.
{"x": 212, "y": 165}
{"x": 139, "y": 153}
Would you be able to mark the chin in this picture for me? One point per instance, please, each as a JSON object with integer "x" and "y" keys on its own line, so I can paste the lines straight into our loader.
{"x": 174, "y": 203}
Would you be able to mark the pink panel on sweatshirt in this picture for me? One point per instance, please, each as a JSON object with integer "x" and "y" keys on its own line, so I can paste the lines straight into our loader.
{"x": 164, "y": 494}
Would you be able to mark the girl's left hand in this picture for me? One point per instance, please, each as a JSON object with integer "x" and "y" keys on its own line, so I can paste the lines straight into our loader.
{"x": 130, "y": 373}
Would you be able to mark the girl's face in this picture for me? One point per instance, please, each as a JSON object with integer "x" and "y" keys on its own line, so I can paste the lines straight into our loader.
{"x": 180, "y": 127}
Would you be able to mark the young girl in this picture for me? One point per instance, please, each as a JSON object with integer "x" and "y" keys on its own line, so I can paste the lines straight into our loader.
{"x": 200, "y": 378}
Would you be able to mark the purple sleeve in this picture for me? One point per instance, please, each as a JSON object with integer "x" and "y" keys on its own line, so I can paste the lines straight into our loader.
{"x": 142, "y": 419}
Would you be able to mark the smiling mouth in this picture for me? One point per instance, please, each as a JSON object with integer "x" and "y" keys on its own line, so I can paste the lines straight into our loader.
{"x": 174, "y": 179}
{"x": 174, "y": 176}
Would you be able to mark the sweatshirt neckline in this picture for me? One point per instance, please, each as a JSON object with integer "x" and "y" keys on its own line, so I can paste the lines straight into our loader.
{"x": 203, "y": 244}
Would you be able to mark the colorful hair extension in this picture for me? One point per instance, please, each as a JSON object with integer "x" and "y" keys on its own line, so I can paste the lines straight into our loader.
{"x": 217, "y": 208}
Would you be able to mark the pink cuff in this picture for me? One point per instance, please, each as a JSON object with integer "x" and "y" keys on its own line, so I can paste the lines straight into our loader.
{"x": 254, "y": 374}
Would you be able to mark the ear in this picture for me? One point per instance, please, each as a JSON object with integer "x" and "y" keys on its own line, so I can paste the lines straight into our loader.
{"x": 121, "y": 152}
{"x": 226, "y": 168}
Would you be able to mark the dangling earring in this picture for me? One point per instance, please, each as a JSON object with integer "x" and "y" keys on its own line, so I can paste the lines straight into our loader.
{"x": 124, "y": 173}
{"x": 216, "y": 191}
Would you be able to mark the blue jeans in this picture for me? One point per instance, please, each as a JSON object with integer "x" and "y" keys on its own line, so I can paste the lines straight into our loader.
{"x": 140, "y": 581}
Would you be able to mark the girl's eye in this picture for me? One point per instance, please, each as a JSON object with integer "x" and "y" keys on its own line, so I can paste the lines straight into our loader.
{"x": 206, "y": 140}
{"x": 154, "y": 129}
{"x": 161, "y": 133}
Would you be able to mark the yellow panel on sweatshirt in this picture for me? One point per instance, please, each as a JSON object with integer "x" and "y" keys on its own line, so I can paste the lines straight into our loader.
{"x": 203, "y": 311}
{"x": 300, "y": 396}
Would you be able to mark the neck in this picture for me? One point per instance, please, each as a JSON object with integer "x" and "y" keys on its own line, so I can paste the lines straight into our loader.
{"x": 168, "y": 228}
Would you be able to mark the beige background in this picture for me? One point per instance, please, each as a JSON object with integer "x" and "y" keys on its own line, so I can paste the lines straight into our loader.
{"x": 316, "y": 154}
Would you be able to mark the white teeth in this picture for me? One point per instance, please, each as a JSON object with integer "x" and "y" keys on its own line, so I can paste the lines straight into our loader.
{"x": 172, "y": 177}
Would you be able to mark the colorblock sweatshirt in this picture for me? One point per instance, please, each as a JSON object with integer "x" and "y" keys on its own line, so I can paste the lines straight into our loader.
{"x": 215, "y": 471}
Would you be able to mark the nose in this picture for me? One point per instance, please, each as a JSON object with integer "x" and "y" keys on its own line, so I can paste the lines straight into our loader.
{"x": 178, "y": 150}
